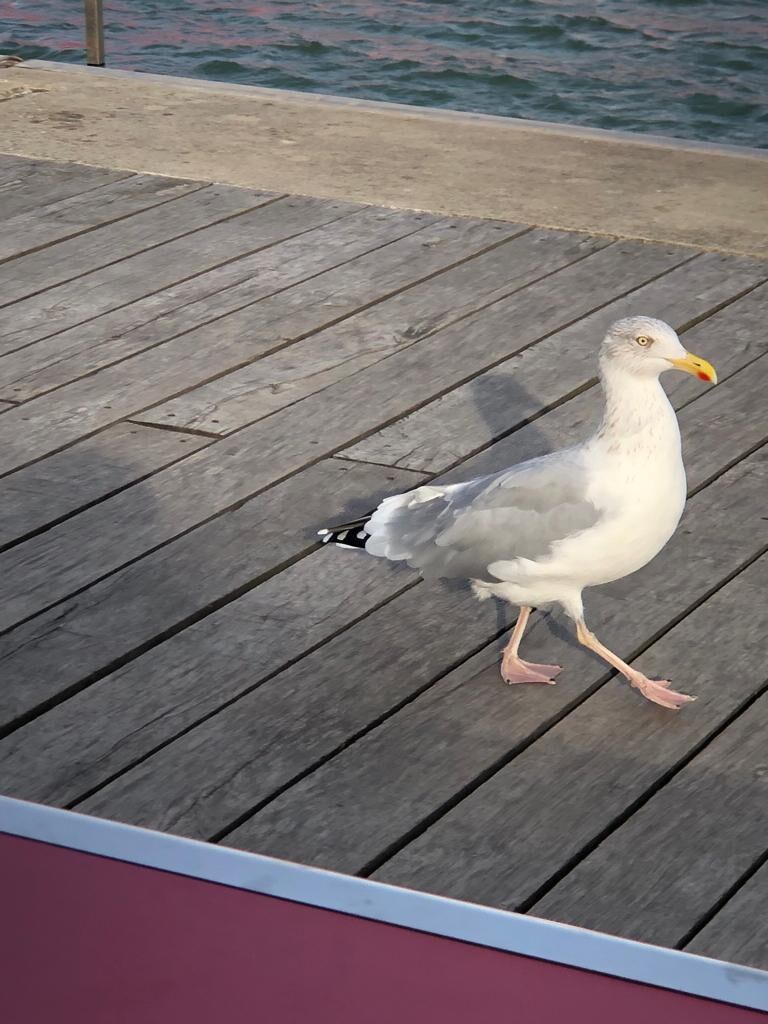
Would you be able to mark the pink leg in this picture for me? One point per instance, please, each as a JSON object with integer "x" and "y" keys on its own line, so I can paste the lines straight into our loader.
{"x": 513, "y": 668}
{"x": 656, "y": 690}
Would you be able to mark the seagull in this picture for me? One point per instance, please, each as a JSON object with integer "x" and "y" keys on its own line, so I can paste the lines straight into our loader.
{"x": 539, "y": 533}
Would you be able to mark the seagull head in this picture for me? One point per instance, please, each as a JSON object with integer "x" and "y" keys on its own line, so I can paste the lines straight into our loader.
{"x": 646, "y": 347}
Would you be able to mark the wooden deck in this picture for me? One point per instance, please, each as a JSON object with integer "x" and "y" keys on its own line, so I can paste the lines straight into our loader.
{"x": 194, "y": 378}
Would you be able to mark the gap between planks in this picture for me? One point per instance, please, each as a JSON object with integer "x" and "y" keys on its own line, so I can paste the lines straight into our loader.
{"x": 432, "y": 397}
{"x": 163, "y": 544}
{"x": 353, "y": 738}
{"x": 673, "y": 620}
{"x": 85, "y": 588}
{"x": 163, "y": 426}
{"x": 191, "y": 189}
{"x": 310, "y": 462}
{"x": 244, "y": 693}
{"x": 425, "y": 823}
{"x": 750, "y": 884}
{"x": 228, "y": 597}
{"x": 58, "y": 181}
{"x": 363, "y": 307}
{"x": 228, "y": 285}
{"x": 304, "y": 335}
{"x": 502, "y": 434}
{"x": 267, "y": 200}
{"x": 179, "y": 281}
{"x": 620, "y": 819}
{"x": 671, "y": 624}
{"x": 140, "y": 476}
{"x": 376, "y": 756}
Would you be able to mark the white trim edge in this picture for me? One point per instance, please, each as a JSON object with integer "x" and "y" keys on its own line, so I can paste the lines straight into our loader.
{"x": 437, "y": 915}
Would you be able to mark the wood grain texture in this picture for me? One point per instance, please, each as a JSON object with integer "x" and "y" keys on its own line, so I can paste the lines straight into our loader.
{"x": 299, "y": 716}
{"x": 85, "y": 473}
{"x": 731, "y": 338}
{"x": 70, "y": 259}
{"x": 119, "y": 599}
{"x": 131, "y": 385}
{"x": 67, "y": 305}
{"x": 179, "y": 651}
{"x": 739, "y": 932}
{"x": 412, "y": 636}
{"x": 499, "y": 844}
{"x": 59, "y": 757}
{"x": 78, "y": 214}
{"x": 470, "y": 417}
{"x": 213, "y": 294}
{"x": 118, "y": 617}
{"x": 727, "y": 417}
{"x": 414, "y": 375}
{"x": 46, "y": 569}
{"x": 27, "y": 185}
{"x": 544, "y": 807}
{"x": 663, "y": 870}
{"x": 247, "y": 394}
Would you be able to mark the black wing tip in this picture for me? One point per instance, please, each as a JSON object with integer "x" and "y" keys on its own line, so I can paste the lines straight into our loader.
{"x": 346, "y": 535}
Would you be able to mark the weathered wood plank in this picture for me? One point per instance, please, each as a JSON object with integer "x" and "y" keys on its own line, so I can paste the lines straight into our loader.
{"x": 551, "y": 801}
{"x": 67, "y": 305}
{"x": 316, "y": 707}
{"x": 116, "y": 618}
{"x": 262, "y": 387}
{"x": 337, "y": 257}
{"x": 78, "y": 214}
{"x": 117, "y": 600}
{"x": 624, "y": 258}
{"x": 664, "y": 870}
{"x": 374, "y": 665}
{"x": 242, "y": 645}
{"x": 391, "y": 781}
{"x": 739, "y": 932}
{"x": 121, "y": 598}
{"x": 472, "y": 416}
{"x": 4, "y": 406}
{"x": 30, "y": 184}
{"x": 73, "y": 258}
{"x": 728, "y": 418}
{"x": 85, "y": 473}
{"x": 46, "y": 569}
{"x": 138, "y": 382}
{"x": 730, "y": 338}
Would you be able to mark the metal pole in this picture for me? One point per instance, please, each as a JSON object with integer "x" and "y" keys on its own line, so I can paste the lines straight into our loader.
{"x": 94, "y": 33}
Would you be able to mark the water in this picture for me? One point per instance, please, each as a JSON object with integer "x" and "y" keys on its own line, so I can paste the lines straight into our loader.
{"x": 696, "y": 69}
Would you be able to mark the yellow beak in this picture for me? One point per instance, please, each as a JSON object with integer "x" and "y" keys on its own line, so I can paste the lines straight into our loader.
{"x": 698, "y": 367}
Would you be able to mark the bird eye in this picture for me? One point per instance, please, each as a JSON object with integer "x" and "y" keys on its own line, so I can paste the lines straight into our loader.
{"x": 643, "y": 340}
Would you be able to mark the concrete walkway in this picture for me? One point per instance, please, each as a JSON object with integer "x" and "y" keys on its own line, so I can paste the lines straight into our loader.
{"x": 441, "y": 161}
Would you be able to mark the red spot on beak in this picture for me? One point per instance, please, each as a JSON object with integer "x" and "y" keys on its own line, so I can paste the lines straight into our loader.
{"x": 702, "y": 376}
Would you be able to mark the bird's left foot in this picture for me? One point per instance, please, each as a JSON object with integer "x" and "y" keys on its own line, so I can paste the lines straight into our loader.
{"x": 515, "y": 670}
{"x": 658, "y": 691}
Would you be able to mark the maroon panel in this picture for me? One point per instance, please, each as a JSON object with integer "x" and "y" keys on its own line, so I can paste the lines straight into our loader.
{"x": 85, "y": 940}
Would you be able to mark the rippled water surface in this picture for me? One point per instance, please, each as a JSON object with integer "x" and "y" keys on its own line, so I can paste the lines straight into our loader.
{"x": 691, "y": 68}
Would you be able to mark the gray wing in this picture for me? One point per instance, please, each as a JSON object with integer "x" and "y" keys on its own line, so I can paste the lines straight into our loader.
{"x": 460, "y": 529}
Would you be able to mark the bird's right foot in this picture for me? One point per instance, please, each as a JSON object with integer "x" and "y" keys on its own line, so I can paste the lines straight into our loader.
{"x": 658, "y": 691}
{"x": 515, "y": 670}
